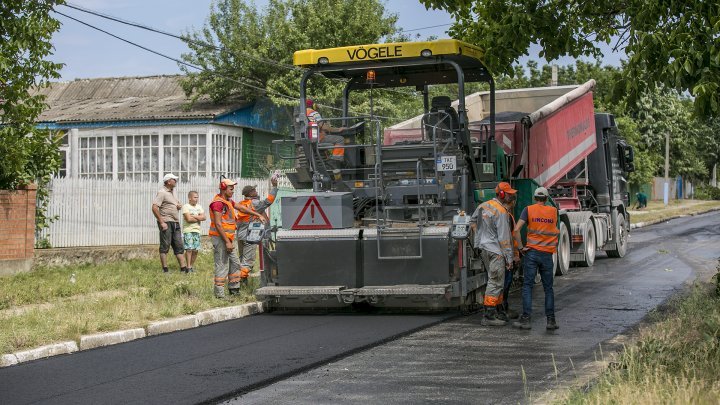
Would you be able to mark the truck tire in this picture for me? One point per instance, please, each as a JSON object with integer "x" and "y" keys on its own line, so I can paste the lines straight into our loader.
{"x": 620, "y": 235}
{"x": 563, "y": 251}
{"x": 589, "y": 245}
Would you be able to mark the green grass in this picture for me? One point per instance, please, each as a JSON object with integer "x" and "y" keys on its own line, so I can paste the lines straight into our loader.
{"x": 675, "y": 360}
{"x": 656, "y": 210}
{"x": 43, "y": 306}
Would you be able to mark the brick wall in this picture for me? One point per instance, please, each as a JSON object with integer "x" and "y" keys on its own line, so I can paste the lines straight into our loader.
{"x": 17, "y": 229}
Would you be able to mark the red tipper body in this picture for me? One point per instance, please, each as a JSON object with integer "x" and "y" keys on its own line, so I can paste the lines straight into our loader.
{"x": 560, "y": 141}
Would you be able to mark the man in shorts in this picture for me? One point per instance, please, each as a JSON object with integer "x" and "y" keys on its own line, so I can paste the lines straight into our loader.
{"x": 165, "y": 207}
{"x": 193, "y": 214}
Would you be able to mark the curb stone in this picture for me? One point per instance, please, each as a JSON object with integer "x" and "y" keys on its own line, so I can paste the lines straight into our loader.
{"x": 46, "y": 351}
{"x": 8, "y": 360}
{"x": 110, "y": 338}
{"x": 87, "y": 342}
{"x": 172, "y": 325}
{"x": 227, "y": 313}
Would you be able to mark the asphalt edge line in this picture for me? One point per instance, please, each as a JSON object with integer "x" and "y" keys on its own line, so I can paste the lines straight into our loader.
{"x": 657, "y": 221}
{"x": 339, "y": 356}
{"x": 103, "y": 339}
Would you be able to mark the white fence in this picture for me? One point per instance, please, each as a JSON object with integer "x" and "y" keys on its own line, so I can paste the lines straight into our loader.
{"x": 105, "y": 212}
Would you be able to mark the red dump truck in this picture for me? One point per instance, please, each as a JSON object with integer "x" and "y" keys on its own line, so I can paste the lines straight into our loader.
{"x": 564, "y": 146}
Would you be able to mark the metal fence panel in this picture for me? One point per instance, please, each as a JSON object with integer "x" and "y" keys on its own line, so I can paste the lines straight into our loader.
{"x": 99, "y": 212}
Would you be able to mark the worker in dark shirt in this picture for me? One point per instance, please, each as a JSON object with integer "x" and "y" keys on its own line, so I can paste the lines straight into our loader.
{"x": 641, "y": 200}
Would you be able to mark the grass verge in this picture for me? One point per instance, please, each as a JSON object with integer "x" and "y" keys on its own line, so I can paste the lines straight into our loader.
{"x": 45, "y": 306}
{"x": 675, "y": 360}
{"x": 656, "y": 210}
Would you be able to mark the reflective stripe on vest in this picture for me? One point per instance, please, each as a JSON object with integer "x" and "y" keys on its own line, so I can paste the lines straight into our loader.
{"x": 542, "y": 231}
{"x": 227, "y": 220}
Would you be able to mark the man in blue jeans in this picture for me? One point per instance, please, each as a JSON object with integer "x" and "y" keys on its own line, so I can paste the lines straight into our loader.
{"x": 542, "y": 240}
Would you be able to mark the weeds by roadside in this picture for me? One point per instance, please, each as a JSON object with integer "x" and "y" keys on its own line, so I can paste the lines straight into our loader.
{"x": 46, "y": 306}
{"x": 657, "y": 211}
{"x": 676, "y": 360}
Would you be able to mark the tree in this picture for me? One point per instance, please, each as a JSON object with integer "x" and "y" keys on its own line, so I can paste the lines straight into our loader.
{"x": 251, "y": 51}
{"x": 675, "y": 44}
{"x": 28, "y": 154}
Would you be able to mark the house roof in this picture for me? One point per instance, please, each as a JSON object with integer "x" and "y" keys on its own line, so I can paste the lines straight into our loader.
{"x": 126, "y": 99}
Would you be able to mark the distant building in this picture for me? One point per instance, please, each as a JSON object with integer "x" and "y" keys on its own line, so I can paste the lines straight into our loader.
{"x": 142, "y": 127}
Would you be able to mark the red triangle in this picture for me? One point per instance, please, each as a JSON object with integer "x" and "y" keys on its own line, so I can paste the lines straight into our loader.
{"x": 314, "y": 205}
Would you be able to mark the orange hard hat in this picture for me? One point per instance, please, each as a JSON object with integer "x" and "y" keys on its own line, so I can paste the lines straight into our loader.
{"x": 505, "y": 187}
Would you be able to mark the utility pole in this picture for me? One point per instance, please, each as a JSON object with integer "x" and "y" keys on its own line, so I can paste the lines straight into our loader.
{"x": 666, "y": 187}
{"x": 554, "y": 77}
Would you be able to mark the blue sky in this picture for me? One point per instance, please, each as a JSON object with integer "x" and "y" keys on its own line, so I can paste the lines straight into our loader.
{"x": 87, "y": 53}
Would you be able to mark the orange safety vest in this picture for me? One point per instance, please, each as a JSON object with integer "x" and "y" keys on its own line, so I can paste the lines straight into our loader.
{"x": 241, "y": 216}
{"x": 310, "y": 114}
{"x": 542, "y": 231}
{"x": 227, "y": 219}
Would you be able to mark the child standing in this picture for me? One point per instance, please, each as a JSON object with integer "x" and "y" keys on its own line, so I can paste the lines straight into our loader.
{"x": 193, "y": 214}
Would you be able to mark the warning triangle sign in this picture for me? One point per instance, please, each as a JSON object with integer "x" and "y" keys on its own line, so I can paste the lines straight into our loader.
{"x": 312, "y": 216}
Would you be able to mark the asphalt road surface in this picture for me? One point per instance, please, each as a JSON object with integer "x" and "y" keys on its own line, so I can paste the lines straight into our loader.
{"x": 383, "y": 358}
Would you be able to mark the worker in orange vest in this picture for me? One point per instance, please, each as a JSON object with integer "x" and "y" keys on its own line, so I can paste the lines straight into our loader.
{"x": 223, "y": 214}
{"x": 542, "y": 240}
{"x": 493, "y": 236}
{"x": 254, "y": 204}
{"x": 324, "y": 128}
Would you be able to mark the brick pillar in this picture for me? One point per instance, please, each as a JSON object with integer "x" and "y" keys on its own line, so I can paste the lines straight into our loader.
{"x": 17, "y": 229}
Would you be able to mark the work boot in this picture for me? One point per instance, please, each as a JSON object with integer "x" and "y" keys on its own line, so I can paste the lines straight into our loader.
{"x": 523, "y": 322}
{"x": 491, "y": 318}
{"x": 234, "y": 291}
{"x": 219, "y": 292}
{"x": 551, "y": 324}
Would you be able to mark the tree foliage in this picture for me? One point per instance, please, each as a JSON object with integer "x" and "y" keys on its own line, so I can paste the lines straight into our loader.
{"x": 675, "y": 44}
{"x": 252, "y": 50}
{"x": 27, "y": 154}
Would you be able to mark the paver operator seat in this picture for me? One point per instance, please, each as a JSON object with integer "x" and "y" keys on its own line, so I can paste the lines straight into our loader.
{"x": 442, "y": 119}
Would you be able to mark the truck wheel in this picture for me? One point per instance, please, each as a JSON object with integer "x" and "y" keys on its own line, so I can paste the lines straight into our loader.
{"x": 590, "y": 245}
{"x": 621, "y": 235}
{"x": 563, "y": 251}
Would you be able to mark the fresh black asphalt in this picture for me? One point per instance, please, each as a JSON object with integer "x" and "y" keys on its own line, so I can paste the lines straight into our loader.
{"x": 201, "y": 364}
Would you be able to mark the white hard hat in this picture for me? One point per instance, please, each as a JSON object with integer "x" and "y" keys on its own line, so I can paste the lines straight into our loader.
{"x": 169, "y": 176}
{"x": 541, "y": 192}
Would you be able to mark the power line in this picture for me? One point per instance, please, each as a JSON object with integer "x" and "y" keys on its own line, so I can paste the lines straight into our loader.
{"x": 181, "y": 62}
{"x": 211, "y": 46}
{"x": 171, "y": 58}
{"x": 426, "y": 28}
{"x": 170, "y": 34}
